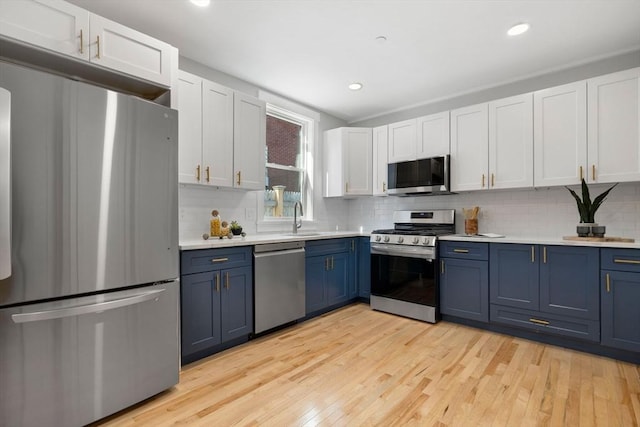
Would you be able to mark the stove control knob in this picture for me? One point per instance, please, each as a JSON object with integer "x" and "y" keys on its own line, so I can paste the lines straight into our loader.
{"x": 378, "y": 238}
{"x": 425, "y": 241}
{"x": 400, "y": 239}
{"x": 415, "y": 240}
{"x": 386, "y": 239}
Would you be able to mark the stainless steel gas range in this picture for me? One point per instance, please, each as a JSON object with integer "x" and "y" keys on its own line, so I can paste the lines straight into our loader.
{"x": 404, "y": 274}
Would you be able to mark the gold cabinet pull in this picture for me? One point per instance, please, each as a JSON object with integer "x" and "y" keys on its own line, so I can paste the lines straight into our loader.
{"x": 226, "y": 284}
{"x": 608, "y": 283}
{"x": 219, "y": 260}
{"x": 384, "y": 187}
{"x": 461, "y": 251}
{"x": 239, "y": 174}
{"x": 442, "y": 266}
{"x": 208, "y": 174}
{"x": 346, "y": 187}
{"x": 593, "y": 172}
{"x": 533, "y": 254}
{"x": 482, "y": 180}
{"x": 581, "y": 173}
{"x": 626, "y": 261}
{"x": 493, "y": 180}
{"x": 538, "y": 321}
{"x": 353, "y": 245}
{"x": 81, "y": 42}
{"x": 544, "y": 255}
{"x": 326, "y": 264}
{"x": 198, "y": 173}
{"x": 217, "y": 282}
{"x": 98, "y": 44}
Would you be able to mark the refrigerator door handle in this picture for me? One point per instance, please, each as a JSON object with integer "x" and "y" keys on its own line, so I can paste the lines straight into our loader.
{"x": 60, "y": 313}
{"x": 5, "y": 184}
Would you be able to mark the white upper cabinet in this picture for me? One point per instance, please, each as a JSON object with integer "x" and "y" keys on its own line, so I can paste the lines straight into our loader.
{"x": 614, "y": 127}
{"x": 402, "y": 141}
{"x": 511, "y": 142}
{"x": 66, "y": 29}
{"x": 380, "y": 164}
{"x": 560, "y": 135}
{"x": 249, "y": 142}
{"x": 222, "y": 135}
{"x": 347, "y": 162}
{"x": 433, "y": 135}
{"x": 469, "y": 148}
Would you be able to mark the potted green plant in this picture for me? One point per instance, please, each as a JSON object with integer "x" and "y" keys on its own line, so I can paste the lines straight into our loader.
{"x": 587, "y": 210}
{"x": 236, "y": 229}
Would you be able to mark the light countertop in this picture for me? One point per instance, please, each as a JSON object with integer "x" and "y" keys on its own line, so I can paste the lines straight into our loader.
{"x": 258, "y": 239}
{"x": 540, "y": 241}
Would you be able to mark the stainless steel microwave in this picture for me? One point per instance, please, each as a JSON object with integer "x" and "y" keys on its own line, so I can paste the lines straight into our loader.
{"x": 419, "y": 177}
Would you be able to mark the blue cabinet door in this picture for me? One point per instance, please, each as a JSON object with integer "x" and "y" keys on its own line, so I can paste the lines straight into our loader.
{"x": 352, "y": 281}
{"x": 513, "y": 270}
{"x": 315, "y": 272}
{"x": 464, "y": 288}
{"x": 338, "y": 278}
{"x": 569, "y": 277}
{"x": 236, "y": 306}
{"x": 200, "y": 313}
{"x": 364, "y": 268}
{"x": 620, "y": 322}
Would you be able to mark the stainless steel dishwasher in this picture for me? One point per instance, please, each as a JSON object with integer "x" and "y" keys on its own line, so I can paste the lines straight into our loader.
{"x": 279, "y": 288}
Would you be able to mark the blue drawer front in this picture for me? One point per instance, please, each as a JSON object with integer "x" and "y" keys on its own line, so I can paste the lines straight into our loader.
{"x": 465, "y": 250}
{"x": 328, "y": 247}
{"x": 199, "y": 261}
{"x": 620, "y": 259}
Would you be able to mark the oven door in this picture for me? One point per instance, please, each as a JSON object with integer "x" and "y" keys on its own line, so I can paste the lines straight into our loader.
{"x": 405, "y": 274}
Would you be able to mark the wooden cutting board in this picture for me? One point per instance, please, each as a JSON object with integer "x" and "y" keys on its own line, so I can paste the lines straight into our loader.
{"x": 599, "y": 239}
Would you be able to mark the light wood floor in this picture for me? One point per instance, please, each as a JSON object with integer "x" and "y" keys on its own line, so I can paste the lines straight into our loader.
{"x": 358, "y": 367}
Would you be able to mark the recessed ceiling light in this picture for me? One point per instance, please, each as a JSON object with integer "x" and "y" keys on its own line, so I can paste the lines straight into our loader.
{"x": 355, "y": 86}
{"x": 518, "y": 29}
{"x": 201, "y": 3}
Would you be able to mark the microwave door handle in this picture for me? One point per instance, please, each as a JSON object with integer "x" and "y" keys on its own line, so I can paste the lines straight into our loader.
{"x": 5, "y": 184}
{"x": 60, "y": 313}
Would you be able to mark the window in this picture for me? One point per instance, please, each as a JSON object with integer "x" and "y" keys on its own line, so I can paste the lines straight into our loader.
{"x": 287, "y": 177}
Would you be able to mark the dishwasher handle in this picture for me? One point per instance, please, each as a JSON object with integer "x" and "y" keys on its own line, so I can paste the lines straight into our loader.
{"x": 277, "y": 253}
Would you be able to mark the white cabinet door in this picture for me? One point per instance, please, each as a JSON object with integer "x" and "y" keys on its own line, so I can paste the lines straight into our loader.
{"x": 402, "y": 141}
{"x": 433, "y": 135}
{"x": 333, "y": 168}
{"x": 380, "y": 165}
{"x": 469, "y": 148}
{"x": 123, "y": 49}
{"x": 54, "y": 25}
{"x": 614, "y": 127}
{"x": 356, "y": 149}
{"x": 560, "y": 135}
{"x": 249, "y": 142}
{"x": 511, "y": 142}
{"x": 189, "y": 128}
{"x": 217, "y": 134}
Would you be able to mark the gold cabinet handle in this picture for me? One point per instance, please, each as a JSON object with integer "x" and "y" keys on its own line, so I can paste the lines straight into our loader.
{"x": 208, "y": 174}
{"x": 581, "y": 173}
{"x": 608, "y": 283}
{"x": 239, "y": 174}
{"x": 219, "y": 260}
{"x": 544, "y": 255}
{"x": 81, "y": 42}
{"x": 346, "y": 187}
{"x": 538, "y": 321}
{"x": 593, "y": 172}
{"x": 533, "y": 254}
{"x": 461, "y": 251}
{"x": 482, "y": 180}
{"x": 493, "y": 180}
{"x": 353, "y": 245}
{"x": 626, "y": 261}
{"x": 442, "y": 266}
{"x": 98, "y": 45}
{"x": 384, "y": 187}
{"x": 326, "y": 264}
{"x": 198, "y": 173}
{"x": 217, "y": 282}
{"x": 226, "y": 285}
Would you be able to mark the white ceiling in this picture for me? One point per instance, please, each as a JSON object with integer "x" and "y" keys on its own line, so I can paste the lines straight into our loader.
{"x": 309, "y": 50}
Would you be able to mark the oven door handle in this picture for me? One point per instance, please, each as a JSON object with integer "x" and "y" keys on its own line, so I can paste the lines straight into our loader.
{"x": 410, "y": 252}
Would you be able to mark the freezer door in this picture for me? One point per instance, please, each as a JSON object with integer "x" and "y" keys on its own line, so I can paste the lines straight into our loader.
{"x": 71, "y": 362}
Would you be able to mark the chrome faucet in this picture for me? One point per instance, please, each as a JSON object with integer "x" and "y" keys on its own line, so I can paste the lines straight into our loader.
{"x": 297, "y": 225}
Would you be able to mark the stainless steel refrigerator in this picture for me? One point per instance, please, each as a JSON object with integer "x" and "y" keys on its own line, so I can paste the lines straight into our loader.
{"x": 89, "y": 294}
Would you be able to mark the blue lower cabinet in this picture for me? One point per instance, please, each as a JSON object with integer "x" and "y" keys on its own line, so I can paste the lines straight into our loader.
{"x": 200, "y": 326}
{"x": 315, "y": 279}
{"x": 513, "y": 269}
{"x": 620, "y": 297}
{"x": 364, "y": 268}
{"x": 464, "y": 288}
{"x": 236, "y": 305}
{"x": 337, "y": 279}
